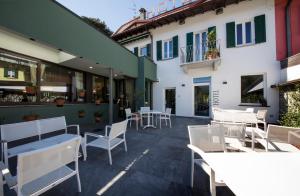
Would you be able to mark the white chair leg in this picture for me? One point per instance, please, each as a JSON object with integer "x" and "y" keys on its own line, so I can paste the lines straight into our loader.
{"x": 170, "y": 122}
{"x": 83, "y": 147}
{"x": 166, "y": 122}
{"x": 160, "y": 123}
{"x": 125, "y": 145}
{"x": 109, "y": 156}
{"x": 192, "y": 170}
{"x": 137, "y": 124}
{"x": 130, "y": 123}
{"x": 78, "y": 178}
{"x": 212, "y": 183}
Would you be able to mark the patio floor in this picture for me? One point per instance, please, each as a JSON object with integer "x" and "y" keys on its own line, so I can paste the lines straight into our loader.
{"x": 157, "y": 163}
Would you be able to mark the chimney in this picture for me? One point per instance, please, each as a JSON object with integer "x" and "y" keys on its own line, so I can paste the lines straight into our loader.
{"x": 143, "y": 13}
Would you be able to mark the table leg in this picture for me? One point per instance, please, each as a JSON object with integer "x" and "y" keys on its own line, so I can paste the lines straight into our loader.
{"x": 212, "y": 183}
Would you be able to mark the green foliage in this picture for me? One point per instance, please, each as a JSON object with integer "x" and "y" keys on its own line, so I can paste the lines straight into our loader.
{"x": 98, "y": 24}
{"x": 292, "y": 117}
{"x": 98, "y": 114}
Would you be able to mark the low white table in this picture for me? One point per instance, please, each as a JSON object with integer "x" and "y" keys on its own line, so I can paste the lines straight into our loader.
{"x": 149, "y": 122}
{"x": 259, "y": 174}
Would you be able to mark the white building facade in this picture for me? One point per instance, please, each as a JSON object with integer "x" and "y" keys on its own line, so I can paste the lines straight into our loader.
{"x": 240, "y": 74}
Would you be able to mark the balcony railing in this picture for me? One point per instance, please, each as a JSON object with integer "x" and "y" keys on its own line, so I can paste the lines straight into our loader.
{"x": 205, "y": 51}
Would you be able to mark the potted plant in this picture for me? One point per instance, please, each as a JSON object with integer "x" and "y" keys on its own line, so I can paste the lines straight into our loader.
{"x": 30, "y": 117}
{"x": 81, "y": 113}
{"x": 81, "y": 93}
{"x": 97, "y": 101}
{"x": 98, "y": 116}
{"x": 60, "y": 101}
{"x": 30, "y": 89}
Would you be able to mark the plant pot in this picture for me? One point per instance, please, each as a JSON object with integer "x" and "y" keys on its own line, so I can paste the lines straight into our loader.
{"x": 30, "y": 117}
{"x": 60, "y": 102}
{"x": 30, "y": 90}
{"x": 81, "y": 114}
{"x": 97, "y": 102}
{"x": 97, "y": 119}
{"x": 81, "y": 94}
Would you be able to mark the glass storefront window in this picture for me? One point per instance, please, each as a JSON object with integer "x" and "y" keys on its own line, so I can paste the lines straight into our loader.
{"x": 100, "y": 90}
{"x": 17, "y": 80}
{"x": 58, "y": 81}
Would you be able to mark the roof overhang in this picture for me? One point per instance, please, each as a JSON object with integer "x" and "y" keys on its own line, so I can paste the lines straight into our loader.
{"x": 177, "y": 14}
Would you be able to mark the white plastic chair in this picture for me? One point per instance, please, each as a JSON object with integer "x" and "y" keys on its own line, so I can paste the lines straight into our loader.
{"x": 144, "y": 113}
{"x": 205, "y": 139}
{"x": 234, "y": 134}
{"x": 109, "y": 142}
{"x": 132, "y": 117}
{"x": 40, "y": 170}
{"x": 166, "y": 117}
{"x": 280, "y": 138}
{"x": 261, "y": 118}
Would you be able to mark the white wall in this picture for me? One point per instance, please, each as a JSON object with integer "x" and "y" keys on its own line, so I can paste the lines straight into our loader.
{"x": 235, "y": 62}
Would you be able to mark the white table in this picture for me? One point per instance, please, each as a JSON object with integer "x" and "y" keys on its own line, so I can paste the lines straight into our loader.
{"x": 259, "y": 174}
{"x": 149, "y": 122}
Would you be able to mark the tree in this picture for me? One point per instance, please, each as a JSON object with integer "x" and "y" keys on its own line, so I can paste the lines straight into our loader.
{"x": 98, "y": 24}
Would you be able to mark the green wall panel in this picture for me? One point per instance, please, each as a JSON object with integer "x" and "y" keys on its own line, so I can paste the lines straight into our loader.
{"x": 13, "y": 114}
{"x": 50, "y": 23}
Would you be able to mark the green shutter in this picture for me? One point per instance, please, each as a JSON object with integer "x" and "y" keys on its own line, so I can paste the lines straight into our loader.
{"x": 212, "y": 32}
{"x": 149, "y": 50}
{"x": 189, "y": 46}
{"x": 136, "y": 51}
{"x": 5, "y": 72}
{"x": 230, "y": 34}
{"x": 175, "y": 46}
{"x": 159, "y": 50}
{"x": 260, "y": 28}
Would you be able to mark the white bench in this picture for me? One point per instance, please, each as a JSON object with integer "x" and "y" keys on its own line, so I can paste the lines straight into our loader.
{"x": 38, "y": 128}
{"x": 42, "y": 169}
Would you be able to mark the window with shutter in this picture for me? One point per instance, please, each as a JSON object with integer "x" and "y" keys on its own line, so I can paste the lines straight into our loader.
{"x": 189, "y": 46}
{"x": 136, "y": 51}
{"x": 260, "y": 28}
{"x": 159, "y": 50}
{"x": 230, "y": 34}
{"x": 175, "y": 46}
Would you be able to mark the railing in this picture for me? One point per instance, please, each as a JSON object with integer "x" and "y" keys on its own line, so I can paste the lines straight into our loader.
{"x": 200, "y": 52}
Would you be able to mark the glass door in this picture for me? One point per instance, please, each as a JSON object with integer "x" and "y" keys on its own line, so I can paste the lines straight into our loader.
{"x": 170, "y": 99}
{"x": 201, "y": 100}
{"x": 200, "y": 45}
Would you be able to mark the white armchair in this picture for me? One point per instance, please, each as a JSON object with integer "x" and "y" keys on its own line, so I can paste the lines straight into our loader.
{"x": 109, "y": 141}
{"x": 205, "y": 139}
{"x": 133, "y": 117}
{"x": 261, "y": 118}
{"x": 40, "y": 170}
{"x": 166, "y": 116}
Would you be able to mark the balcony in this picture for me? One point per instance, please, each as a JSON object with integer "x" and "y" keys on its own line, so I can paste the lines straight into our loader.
{"x": 201, "y": 55}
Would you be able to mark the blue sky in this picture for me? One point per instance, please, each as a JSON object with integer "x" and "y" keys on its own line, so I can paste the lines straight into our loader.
{"x": 113, "y": 12}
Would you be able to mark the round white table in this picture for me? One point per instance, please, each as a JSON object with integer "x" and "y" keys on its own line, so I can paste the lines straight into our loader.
{"x": 149, "y": 122}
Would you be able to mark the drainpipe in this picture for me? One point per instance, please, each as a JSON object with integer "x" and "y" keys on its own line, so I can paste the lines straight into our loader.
{"x": 288, "y": 28}
{"x": 111, "y": 104}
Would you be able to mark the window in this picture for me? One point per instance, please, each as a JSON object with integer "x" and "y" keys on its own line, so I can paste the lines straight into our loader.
{"x": 143, "y": 51}
{"x": 58, "y": 81}
{"x": 17, "y": 79}
{"x": 252, "y": 88}
{"x": 239, "y": 34}
{"x": 244, "y": 33}
{"x": 168, "y": 49}
{"x": 100, "y": 89}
